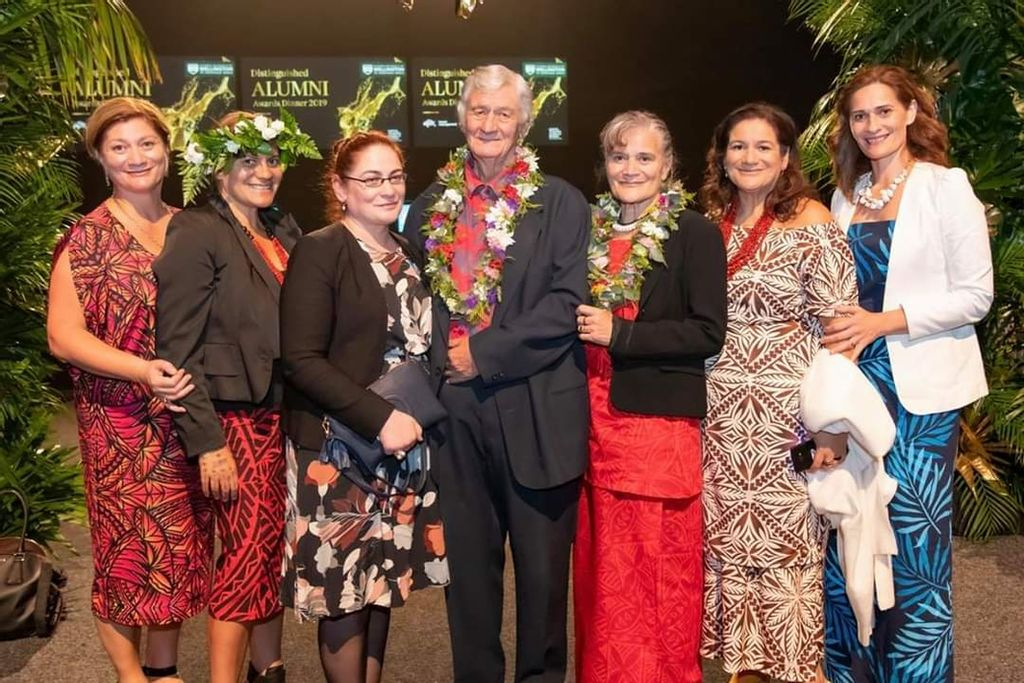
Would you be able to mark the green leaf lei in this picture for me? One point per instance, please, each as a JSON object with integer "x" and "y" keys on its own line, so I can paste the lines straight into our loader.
{"x": 500, "y": 224}
{"x": 215, "y": 150}
{"x": 610, "y": 290}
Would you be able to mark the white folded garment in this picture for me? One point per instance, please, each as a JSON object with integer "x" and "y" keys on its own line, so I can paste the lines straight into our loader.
{"x": 836, "y": 397}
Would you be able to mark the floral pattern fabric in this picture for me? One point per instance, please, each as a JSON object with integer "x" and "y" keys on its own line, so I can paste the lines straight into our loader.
{"x": 913, "y": 641}
{"x": 348, "y": 549}
{"x": 150, "y": 523}
{"x": 763, "y": 542}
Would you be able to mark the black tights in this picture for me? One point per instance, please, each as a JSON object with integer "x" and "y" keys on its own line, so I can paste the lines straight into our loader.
{"x": 352, "y": 646}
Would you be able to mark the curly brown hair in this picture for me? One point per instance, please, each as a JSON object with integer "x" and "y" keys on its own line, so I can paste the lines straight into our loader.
{"x": 791, "y": 189}
{"x": 926, "y": 136}
{"x": 343, "y": 158}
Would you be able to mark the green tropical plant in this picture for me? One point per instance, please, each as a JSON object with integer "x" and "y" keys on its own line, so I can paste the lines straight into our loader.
{"x": 971, "y": 52}
{"x": 49, "y": 49}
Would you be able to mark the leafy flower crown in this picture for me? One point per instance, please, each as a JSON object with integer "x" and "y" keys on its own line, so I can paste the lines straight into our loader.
{"x": 212, "y": 151}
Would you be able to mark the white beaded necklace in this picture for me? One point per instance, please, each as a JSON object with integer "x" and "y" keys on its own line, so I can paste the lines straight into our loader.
{"x": 863, "y": 189}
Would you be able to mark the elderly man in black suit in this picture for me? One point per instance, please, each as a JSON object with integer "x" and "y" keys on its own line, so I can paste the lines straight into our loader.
{"x": 505, "y": 249}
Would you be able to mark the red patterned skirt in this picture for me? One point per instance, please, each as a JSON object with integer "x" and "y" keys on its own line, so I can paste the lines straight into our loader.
{"x": 637, "y": 582}
{"x": 247, "y": 577}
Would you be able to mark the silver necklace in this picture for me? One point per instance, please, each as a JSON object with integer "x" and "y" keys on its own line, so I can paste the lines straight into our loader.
{"x": 863, "y": 190}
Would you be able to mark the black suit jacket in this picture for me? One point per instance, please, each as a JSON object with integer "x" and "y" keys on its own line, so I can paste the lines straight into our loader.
{"x": 658, "y": 359}
{"x": 216, "y": 315}
{"x": 530, "y": 354}
{"x": 333, "y": 334}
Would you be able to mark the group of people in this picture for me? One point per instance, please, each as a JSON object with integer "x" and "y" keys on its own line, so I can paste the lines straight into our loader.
{"x": 622, "y": 385}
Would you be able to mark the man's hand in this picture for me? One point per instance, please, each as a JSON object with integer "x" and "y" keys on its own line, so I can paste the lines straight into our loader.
{"x": 218, "y": 474}
{"x": 461, "y": 367}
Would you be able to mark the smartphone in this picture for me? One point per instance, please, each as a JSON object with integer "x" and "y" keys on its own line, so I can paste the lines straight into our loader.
{"x": 802, "y": 455}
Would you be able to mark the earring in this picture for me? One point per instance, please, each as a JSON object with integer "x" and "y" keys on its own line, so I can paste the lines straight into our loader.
{"x": 344, "y": 207}
{"x": 106, "y": 178}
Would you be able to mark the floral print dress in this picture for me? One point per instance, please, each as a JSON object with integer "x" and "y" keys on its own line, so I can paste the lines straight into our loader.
{"x": 348, "y": 549}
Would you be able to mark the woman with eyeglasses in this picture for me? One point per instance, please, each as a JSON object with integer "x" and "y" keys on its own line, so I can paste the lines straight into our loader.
{"x": 354, "y": 305}
{"x": 219, "y": 281}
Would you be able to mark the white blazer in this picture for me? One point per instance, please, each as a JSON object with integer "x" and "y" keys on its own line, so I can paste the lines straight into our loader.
{"x": 940, "y": 273}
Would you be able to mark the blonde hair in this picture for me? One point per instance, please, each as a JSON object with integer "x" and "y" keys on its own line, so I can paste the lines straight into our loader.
{"x": 117, "y": 110}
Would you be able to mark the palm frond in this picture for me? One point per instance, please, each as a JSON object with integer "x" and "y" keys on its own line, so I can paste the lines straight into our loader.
{"x": 49, "y": 50}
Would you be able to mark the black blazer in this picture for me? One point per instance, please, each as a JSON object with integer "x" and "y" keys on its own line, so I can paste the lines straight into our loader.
{"x": 530, "y": 355}
{"x": 216, "y": 315}
{"x": 333, "y": 334}
{"x": 658, "y": 359}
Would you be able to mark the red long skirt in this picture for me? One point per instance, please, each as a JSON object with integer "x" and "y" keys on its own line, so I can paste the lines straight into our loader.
{"x": 637, "y": 583}
{"x": 247, "y": 577}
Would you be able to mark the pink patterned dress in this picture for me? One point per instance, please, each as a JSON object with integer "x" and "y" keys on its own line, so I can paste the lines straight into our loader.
{"x": 150, "y": 523}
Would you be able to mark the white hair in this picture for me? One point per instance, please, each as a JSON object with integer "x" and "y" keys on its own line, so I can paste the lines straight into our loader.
{"x": 495, "y": 77}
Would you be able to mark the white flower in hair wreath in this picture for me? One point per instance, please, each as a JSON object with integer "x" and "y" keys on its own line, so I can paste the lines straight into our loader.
{"x": 655, "y": 224}
{"x": 211, "y": 151}
{"x": 499, "y": 232}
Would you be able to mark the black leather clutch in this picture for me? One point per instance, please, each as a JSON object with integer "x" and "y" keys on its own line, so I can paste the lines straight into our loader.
{"x": 407, "y": 387}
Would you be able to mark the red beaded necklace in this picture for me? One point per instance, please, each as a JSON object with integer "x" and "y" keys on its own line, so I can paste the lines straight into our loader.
{"x": 262, "y": 245}
{"x": 750, "y": 244}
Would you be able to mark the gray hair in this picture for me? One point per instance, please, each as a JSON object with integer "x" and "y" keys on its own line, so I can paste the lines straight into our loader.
{"x": 495, "y": 77}
{"x": 614, "y": 134}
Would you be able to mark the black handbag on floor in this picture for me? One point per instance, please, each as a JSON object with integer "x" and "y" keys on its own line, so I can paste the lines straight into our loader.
{"x": 407, "y": 387}
{"x": 31, "y": 601}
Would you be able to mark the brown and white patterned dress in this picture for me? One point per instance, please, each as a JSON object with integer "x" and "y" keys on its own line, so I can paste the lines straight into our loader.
{"x": 763, "y": 542}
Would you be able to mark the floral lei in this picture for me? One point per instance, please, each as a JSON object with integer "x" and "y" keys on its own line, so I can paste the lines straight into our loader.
{"x": 610, "y": 290}
{"x": 215, "y": 150}
{"x": 500, "y": 222}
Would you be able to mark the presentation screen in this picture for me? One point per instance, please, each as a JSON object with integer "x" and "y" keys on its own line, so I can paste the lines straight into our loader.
{"x": 437, "y": 85}
{"x": 195, "y": 91}
{"x": 330, "y": 97}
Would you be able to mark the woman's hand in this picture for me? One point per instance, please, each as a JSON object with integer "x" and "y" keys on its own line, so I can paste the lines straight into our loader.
{"x": 167, "y": 382}
{"x": 830, "y": 450}
{"x": 400, "y": 433}
{"x": 594, "y": 324}
{"x": 854, "y": 328}
{"x": 218, "y": 474}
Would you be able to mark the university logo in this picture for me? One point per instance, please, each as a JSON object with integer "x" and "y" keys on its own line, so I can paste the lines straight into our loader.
{"x": 192, "y": 68}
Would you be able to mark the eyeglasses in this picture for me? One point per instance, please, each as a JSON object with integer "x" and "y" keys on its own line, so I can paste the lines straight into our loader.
{"x": 378, "y": 181}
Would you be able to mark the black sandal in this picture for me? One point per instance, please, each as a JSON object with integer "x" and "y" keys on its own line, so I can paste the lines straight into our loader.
{"x": 160, "y": 672}
{"x": 274, "y": 674}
